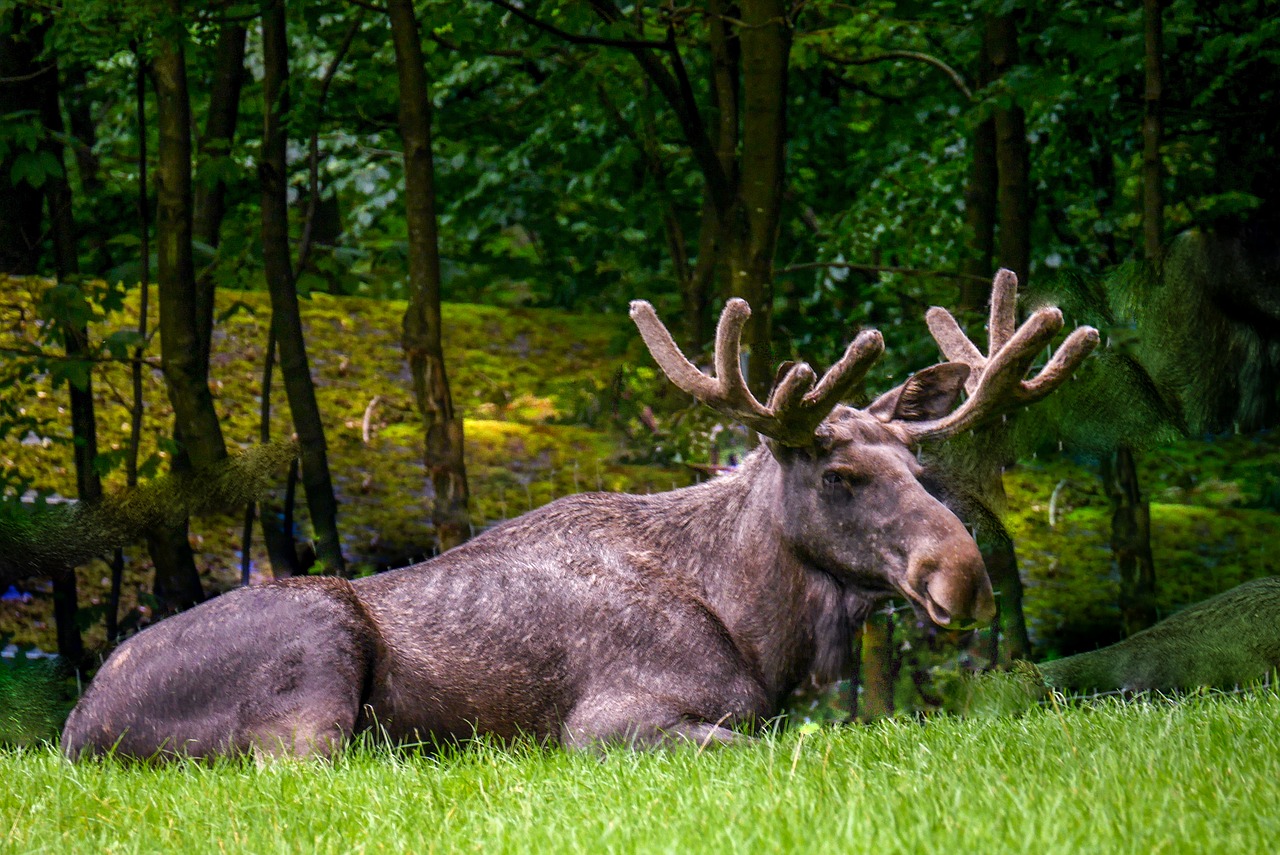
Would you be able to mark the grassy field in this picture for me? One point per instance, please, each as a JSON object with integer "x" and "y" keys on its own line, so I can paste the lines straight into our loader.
{"x": 1198, "y": 775}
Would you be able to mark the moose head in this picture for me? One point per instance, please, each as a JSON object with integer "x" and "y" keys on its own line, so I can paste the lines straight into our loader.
{"x": 848, "y": 495}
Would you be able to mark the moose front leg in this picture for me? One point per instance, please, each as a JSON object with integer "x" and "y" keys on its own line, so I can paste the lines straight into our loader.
{"x": 642, "y": 722}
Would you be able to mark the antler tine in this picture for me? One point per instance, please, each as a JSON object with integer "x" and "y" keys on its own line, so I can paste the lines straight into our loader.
{"x": 1004, "y": 309}
{"x": 801, "y": 404}
{"x": 666, "y": 353}
{"x": 727, "y": 392}
{"x": 995, "y": 384}
{"x": 848, "y": 372}
{"x": 955, "y": 345}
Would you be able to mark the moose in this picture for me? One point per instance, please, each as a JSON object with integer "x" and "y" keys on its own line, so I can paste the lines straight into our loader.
{"x": 598, "y": 619}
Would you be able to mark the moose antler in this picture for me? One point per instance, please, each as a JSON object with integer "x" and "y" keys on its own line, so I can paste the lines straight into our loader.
{"x": 799, "y": 401}
{"x": 995, "y": 384}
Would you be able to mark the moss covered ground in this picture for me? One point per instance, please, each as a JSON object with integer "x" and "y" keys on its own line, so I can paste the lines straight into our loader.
{"x": 539, "y": 391}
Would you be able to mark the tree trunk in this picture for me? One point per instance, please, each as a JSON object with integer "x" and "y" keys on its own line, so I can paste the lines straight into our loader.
{"x": 286, "y": 318}
{"x": 1152, "y": 130}
{"x": 422, "y": 322}
{"x": 1130, "y": 511}
{"x": 765, "y": 36}
{"x": 980, "y": 199}
{"x": 744, "y": 173}
{"x": 144, "y": 297}
{"x": 998, "y": 554}
{"x": 184, "y": 342}
{"x": 21, "y": 203}
{"x": 219, "y": 131}
{"x": 1001, "y": 186}
{"x": 712, "y": 263}
{"x": 84, "y": 432}
{"x": 1131, "y": 541}
{"x": 877, "y": 671}
{"x": 980, "y": 215}
{"x": 84, "y": 132}
{"x": 1012, "y": 156}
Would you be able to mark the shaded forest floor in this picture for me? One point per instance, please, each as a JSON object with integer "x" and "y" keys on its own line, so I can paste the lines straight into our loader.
{"x": 555, "y": 403}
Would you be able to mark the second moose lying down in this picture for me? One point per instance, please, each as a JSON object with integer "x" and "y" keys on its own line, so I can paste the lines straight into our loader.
{"x": 606, "y": 618}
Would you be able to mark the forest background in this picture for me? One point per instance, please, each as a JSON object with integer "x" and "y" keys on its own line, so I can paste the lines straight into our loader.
{"x": 407, "y": 205}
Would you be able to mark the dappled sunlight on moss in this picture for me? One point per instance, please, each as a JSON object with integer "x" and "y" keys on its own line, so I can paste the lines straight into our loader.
{"x": 533, "y": 385}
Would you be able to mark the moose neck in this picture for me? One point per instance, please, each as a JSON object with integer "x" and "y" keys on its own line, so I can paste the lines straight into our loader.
{"x": 787, "y": 618}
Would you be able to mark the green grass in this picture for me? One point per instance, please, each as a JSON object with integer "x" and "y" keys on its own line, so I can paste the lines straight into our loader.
{"x": 1201, "y": 774}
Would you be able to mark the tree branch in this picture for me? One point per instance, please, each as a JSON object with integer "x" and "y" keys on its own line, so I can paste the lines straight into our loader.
{"x": 575, "y": 38}
{"x": 956, "y": 78}
{"x": 23, "y": 78}
{"x": 678, "y": 92}
{"x": 513, "y": 53}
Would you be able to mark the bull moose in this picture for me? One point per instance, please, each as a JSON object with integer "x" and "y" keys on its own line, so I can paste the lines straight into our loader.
{"x": 610, "y": 618}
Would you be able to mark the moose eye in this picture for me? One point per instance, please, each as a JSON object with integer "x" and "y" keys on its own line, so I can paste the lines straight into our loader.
{"x": 848, "y": 480}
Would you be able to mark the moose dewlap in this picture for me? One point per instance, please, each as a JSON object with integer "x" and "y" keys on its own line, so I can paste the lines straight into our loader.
{"x": 610, "y": 618}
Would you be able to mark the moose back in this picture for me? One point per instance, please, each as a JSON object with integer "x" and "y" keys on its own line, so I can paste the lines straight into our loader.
{"x": 609, "y": 618}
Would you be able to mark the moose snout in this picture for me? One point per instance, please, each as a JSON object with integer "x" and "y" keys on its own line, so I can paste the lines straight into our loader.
{"x": 950, "y": 582}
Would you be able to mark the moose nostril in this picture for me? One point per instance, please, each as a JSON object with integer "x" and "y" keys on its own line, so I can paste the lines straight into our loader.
{"x": 938, "y": 614}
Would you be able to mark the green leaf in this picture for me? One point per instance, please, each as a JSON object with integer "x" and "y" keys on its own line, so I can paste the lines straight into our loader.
{"x": 27, "y": 167}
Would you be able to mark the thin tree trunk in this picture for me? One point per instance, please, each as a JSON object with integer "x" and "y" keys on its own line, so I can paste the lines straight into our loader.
{"x": 1131, "y": 541}
{"x": 877, "y": 672}
{"x": 277, "y": 524}
{"x": 135, "y": 370}
{"x": 422, "y": 321}
{"x": 21, "y": 203}
{"x": 219, "y": 130}
{"x": 286, "y": 317}
{"x": 1001, "y": 153}
{"x": 1013, "y": 157}
{"x": 980, "y": 199}
{"x": 1002, "y": 566}
{"x": 184, "y": 344}
{"x": 980, "y": 214}
{"x": 83, "y": 129}
{"x": 1152, "y": 131}
{"x": 765, "y": 36}
{"x": 1130, "y": 511}
{"x": 84, "y": 431}
{"x": 712, "y": 263}
{"x": 707, "y": 268}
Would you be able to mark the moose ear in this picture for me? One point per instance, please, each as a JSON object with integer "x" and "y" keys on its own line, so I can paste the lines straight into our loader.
{"x": 928, "y": 394}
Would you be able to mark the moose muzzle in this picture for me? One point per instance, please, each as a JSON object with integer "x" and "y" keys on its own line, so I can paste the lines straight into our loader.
{"x": 949, "y": 582}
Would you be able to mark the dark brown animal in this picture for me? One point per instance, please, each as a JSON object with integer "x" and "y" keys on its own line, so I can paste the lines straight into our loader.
{"x": 605, "y": 618}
